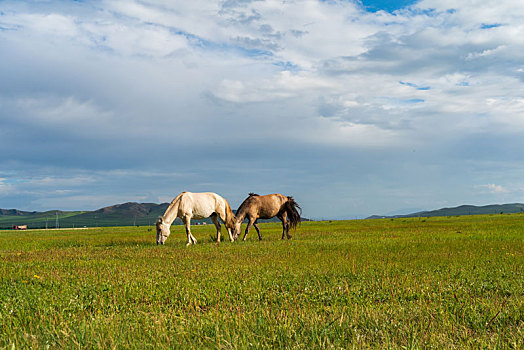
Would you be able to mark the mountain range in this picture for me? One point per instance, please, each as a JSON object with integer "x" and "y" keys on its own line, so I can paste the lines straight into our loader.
{"x": 126, "y": 214}
{"x": 461, "y": 210}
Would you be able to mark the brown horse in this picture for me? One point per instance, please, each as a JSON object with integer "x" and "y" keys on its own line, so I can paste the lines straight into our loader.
{"x": 266, "y": 207}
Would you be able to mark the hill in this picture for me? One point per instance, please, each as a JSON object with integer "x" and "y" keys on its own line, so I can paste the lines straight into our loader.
{"x": 462, "y": 210}
{"x": 125, "y": 214}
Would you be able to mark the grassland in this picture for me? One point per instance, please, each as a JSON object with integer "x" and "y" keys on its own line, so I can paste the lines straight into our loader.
{"x": 41, "y": 219}
{"x": 432, "y": 283}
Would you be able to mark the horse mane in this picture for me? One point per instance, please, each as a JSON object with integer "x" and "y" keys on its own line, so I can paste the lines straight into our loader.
{"x": 230, "y": 217}
{"x": 242, "y": 209}
{"x": 172, "y": 208}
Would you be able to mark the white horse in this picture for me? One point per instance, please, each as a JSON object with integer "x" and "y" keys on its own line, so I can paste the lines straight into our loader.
{"x": 189, "y": 205}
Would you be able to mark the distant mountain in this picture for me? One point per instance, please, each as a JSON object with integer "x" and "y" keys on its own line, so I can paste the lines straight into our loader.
{"x": 15, "y": 212}
{"x": 126, "y": 214}
{"x": 462, "y": 210}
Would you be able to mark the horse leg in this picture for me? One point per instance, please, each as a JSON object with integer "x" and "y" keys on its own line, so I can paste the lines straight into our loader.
{"x": 258, "y": 230}
{"x": 187, "y": 224}
{"x": 231, "y": 238}
{"x": 223, "y": 218}
{"x": 214, "y": 218}
{"x": 285, "y": 225}
{"x": 249, "y": 224}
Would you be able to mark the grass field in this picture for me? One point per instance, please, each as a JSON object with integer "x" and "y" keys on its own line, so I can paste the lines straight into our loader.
{"x": 437, "y": 283}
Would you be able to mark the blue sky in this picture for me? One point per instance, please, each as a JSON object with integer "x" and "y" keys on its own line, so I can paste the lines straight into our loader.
{"x": 386, "y": 5}
{"x": 354, "y": 108}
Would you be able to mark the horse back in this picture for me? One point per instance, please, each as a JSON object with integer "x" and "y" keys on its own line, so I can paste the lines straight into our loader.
{"x": 269, "y": 205}
{"x": 200, "y": 205}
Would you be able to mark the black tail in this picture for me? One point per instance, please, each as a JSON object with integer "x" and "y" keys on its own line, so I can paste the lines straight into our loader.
{"x": 292, "y": 209}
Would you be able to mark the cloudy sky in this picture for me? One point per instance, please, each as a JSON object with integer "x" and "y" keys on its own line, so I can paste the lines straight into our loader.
{"x": 354, "y": 108}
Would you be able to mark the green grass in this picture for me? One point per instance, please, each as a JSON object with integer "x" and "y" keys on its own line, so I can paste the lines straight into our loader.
{"x": 39, "y": 219}
{"x": 72, "y": 219}
{"x": 404, "y": 283}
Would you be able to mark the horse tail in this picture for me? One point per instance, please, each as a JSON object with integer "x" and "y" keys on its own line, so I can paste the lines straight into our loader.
{"x": 292, "y": 209}
{"x": 230, "y": 217}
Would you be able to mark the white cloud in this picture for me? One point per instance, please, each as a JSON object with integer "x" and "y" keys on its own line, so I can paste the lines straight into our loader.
{"x": 497, "y": 189}
{"x": 494, "y": 189}
{"x": 284, "y": 85}
{"x": 130, "y": 40}
{"x": 5, "y": 187}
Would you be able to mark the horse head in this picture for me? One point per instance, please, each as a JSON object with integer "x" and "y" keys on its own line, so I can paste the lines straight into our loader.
{"x": 237, "y": 228}
{"x": 162, "y": 231}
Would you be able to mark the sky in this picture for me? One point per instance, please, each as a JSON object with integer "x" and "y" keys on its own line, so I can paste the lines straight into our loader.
{"x": 354, "y": 108}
